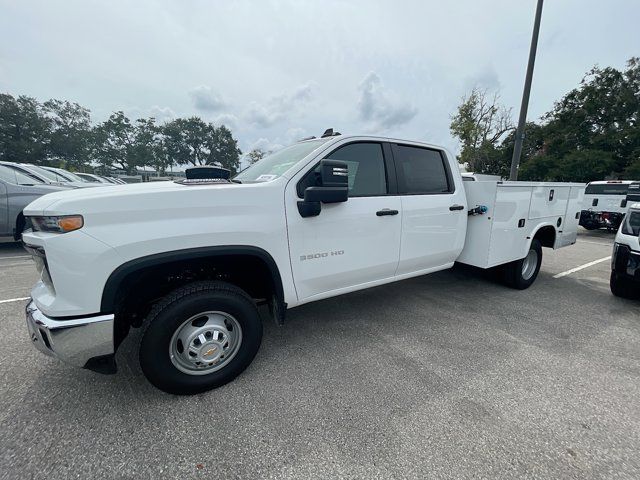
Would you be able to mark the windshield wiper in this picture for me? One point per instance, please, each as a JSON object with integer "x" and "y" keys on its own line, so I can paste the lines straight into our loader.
{"x": 235, "y": 181}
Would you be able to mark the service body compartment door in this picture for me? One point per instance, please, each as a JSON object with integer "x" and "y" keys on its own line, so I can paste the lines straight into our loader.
{"x": 500, "y": 235}
{"x": 549, "y": 201}
{"x": 569, "y": 227}
{"x": 510, "y": 228}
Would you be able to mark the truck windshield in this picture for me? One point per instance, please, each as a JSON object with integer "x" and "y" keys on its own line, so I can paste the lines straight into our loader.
{"x": 275, "y": 164}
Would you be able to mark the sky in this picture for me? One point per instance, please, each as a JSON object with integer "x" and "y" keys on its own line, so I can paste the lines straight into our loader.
{"x": 276, "y": 71}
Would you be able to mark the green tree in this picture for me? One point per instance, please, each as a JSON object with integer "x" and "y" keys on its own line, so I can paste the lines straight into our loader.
{"x": 148, "y": 147}
{"x": 70, "y": 133}
{"x": 600, "y": 116}
{"x": 114, "y": 141}
{"x": 592, "y": 132}
{"x": 24, "y": 130}
{"x": 223, "y": 148}
{"x": 192, "y": 141}
{"x": 186, "y": 140}
{"x": 479, "y": 124}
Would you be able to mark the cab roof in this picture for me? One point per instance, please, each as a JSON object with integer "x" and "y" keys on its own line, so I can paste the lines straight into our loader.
{"x": 612, "y": 182}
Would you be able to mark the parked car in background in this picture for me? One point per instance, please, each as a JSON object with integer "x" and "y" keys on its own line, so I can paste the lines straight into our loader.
{"x": 34, "y": 176}
{"x": 54, "y": 177}
{"x": 93, "y": 178}
{"x": 605, "y": 203}
{"x": 625, "y": 261}
{"x": 116, "y": 180}
{"x": 17, "y": 190}
{"x": 69, "y": 177}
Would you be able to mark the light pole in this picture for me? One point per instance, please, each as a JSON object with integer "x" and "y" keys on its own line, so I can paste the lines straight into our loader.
{"x": 517, "y": 148}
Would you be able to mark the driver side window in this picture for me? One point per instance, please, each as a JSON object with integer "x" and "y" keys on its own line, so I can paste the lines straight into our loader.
{"x": 367, "y": 173}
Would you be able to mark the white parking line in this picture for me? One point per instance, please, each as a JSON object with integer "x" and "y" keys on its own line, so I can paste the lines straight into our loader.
{"x": 595, "y": 243}
{"x": 568, "y": 272}
{"x": 19, "y": 299}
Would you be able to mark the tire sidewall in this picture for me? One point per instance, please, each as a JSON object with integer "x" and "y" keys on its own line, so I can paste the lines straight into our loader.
{"x": 154, "y": 356}
{"x": 525, "y": 283}
{"x": 512, "y": 272}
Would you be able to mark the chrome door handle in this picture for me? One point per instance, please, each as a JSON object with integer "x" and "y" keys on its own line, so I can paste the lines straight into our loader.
{"x": 386, "y": 211}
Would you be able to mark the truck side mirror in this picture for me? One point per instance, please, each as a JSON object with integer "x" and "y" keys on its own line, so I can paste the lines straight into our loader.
{"x": 334, "y": 188}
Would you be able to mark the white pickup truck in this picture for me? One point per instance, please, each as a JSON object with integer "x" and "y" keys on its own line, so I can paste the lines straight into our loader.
{"x": 605, "y": 204}
{"x": 189, "y": 261}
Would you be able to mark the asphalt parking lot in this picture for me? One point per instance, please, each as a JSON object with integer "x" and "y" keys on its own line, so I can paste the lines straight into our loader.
{"x": 449, "y": 375}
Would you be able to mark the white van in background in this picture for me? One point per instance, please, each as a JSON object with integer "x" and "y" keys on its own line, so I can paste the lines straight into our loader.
{"x": 605, "y": 203}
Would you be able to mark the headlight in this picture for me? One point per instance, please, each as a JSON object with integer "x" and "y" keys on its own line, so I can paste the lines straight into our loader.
{"x": 58, "y": 224}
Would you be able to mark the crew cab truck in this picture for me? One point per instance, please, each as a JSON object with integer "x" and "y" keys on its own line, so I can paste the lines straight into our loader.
{"x": 625, "y": 260}
{"x": 189, "y": 261}
{"x": 605, "y": 203}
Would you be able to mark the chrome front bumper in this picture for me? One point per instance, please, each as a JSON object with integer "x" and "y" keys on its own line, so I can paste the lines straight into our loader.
{"x": 73, "y": 341}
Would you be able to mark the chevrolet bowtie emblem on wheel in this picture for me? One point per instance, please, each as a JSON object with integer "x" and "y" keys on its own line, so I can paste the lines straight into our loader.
{"x": 210, "y": 352}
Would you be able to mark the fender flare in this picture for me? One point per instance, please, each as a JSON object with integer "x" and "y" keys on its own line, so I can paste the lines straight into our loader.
{"x": 540, "y": 227}
{"x": 110, "y": 290}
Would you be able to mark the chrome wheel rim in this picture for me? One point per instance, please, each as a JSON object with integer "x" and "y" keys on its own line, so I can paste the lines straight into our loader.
{"x": 205, "y": 343}
{"x": 529, "y": 264}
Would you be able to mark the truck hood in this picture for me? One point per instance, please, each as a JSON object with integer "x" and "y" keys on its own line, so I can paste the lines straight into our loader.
{"x": 130, "y": 197}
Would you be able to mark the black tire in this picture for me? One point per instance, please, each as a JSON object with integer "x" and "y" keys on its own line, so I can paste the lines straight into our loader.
{"x": 20, "y": 227}
{"x": 512, "y": 273}
{"x": 622, "y": 287}
{"x": 172, "y": 311}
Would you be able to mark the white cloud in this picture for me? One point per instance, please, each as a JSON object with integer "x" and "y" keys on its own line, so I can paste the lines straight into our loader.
{"x": 278, "y": 107}
{"x": 379, "y": 108}
{"x": 227, "y": 119}
{"x": 162, "y": 114}
{"x": 205, "y": 99}
{"x": 284, "y": 65}
{"x": 265, "y": 145}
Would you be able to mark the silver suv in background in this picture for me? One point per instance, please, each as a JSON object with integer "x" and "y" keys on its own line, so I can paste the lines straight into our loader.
{"x": 17, "y": 190}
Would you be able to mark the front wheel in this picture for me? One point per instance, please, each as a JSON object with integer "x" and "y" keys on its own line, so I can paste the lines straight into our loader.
{"x": 520, "y": 274}
{"x": 200, "y": 337}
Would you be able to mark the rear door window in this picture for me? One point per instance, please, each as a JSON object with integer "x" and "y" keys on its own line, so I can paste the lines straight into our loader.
{"x": 421, "y": 170}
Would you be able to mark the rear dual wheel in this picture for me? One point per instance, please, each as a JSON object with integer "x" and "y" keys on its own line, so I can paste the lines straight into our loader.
{"x": 200, "y": 337}
{"x": 521, "y": 274}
